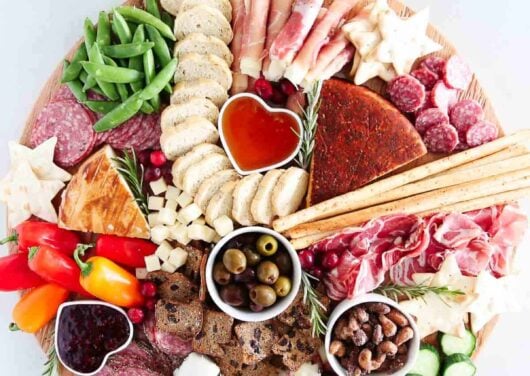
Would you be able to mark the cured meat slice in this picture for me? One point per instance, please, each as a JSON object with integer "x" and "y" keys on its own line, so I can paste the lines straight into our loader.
{"x": 466, "y": 113}
{"x": 240, "y": 80}
{"x": 279, "y": 14}
{"x": 254, "y": 35}
{"x": 63, "y": 94}
{"x": 443, "y": 97}
{"x": 338, "y": 63}
{"x": 429, "y": 118}
{"x": 435, "y": 64}
{"x": 457, "y": 74}
{"x": 119, "y": 137}
{"x": 407, "y": 93}
{"x": 481, "y": 133}
{"x": 427, "y": 77}
{"x": 441, "y": 138}
{"x": 327, "y": 55}
{"x": 72, "y": 124}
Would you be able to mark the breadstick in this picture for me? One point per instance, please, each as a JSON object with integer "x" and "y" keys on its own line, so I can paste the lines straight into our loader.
{"x": 306, "y": 241}
{"x": 353, "y": 200}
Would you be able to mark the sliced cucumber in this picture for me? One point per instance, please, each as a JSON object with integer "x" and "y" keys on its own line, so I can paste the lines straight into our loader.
{"x": 428, "y": 361}
{"x": 455, "y": 345}
{"x": 459, "y": 365}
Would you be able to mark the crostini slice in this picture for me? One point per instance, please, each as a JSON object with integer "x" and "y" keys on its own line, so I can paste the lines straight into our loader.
{"x": 193, "y": 66}
{"x": 204, "y": 45}
{"x": 244, "y": 193}
{"x": 201, "y": 88}
{"x": 221, "y": 203}
{"x": 211, "y": 186}
{"x": 181, "y": 164}
{"x": 223, "y": 6}
{"x": 198, "y": 172}
{"x": 203, "y": 19}
{"x": 261, "y": 206}
{"x": 289, "y": 191}
{"x": 174, "y": 114}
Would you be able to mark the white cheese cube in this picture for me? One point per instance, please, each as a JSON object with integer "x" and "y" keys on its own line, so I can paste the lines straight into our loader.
{"x": 159, "y": 233}
{"x": 178, "y": 257}
{"x": 172, "y": 192}
{"x": 179, "y": 232}
{"x": 195, "y": 362}
{"x": 223, "y": 225}
{"x": 201, "y": 232}
{"x": 163, "y": 250}
{"x": 184, "y": 199}
{"x": 171, "y": 204}
{"x": 141, "y": 273}
{"x": 167, "y": 216}
{"x": 308, "y": 369}
{"x": 155, "y": 203}
{"x": 152, "y": 263}
{"x": 153, "y": 220}
{"x": 216, "y": 238}
{"x": 189, "y": 213}
{"x": 199, "y": 221}
{"x": 158, "y": 186}
{"x": 168, "y": 267}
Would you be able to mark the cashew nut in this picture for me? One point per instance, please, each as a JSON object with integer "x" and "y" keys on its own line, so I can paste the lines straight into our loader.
{"x": 368, "y": 363}
{"x": 398, "y": 318}
{"x": 337, "y": 348}
{"x": 389, "y": 328}
{"x": 360, "y": 314}
{"x": 404, "y": 335}
{"x": 380, "y": 308}
{"x": 388, "y": 348}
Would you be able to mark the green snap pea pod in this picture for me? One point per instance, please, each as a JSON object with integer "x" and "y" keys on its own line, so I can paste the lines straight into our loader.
{"x": 158, "y": 83}
{"x": 122, "y": 51}
{"x": 137, "y": 62}
{"x": 103, "y": 34}
{"x": 147, "y": 108}
{"x": 150, "y": 74}
{"x": 74, "y": 68}
{"x": 132, "y": 27}
{"x": 76, "y": 87}
{"x": 160, "y": 49}
{"x": 121, "y": 28}
{"x": 90, "y": 83}
{"x": 108, "y": 88}
{"x": 120, "y": 114}
{"x": 122, "y": 88}
{"x": 152, "y": 7}
{"x": 101, "y": 107}
{"x": 111, "y": 74}
{"x": 141, "y": 16}
{"x": 168, "y": 89}
{"x": 90, "y": 34}
{"x": 84, "y": 77}
{"x": 167, "y": 19}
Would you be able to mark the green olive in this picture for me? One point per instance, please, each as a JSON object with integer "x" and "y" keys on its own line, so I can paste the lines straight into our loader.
{"x": 253, "y": 257}
{"x": 268, "y": 272}
{"x": 282, "y": 286}
{"x": 220, "y": 274}
{"x": 267, "y": 245}
{"x": 234, "y": 261}
{"x": 263, "y": 295}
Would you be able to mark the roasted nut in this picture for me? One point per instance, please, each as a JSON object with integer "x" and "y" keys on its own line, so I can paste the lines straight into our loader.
{"x": 388, "y": 348}
{"x": 367, "y": 328}
{"x": 389, "y": 328}
{"x": 380, "y": 308}
{"x": 404, "y": 335}
{"x": 403, "y": 349}
{"x": 359, "y": 338}
{"x": 360, "y": 314}
{"x": 377, "y": 335}
{"x": 337, "y": 348}
{"x": 398, "y": 318}
{"x": 342, "y": 330}
{"x": 353, "y": 324}
{"x": 367, "y": 363}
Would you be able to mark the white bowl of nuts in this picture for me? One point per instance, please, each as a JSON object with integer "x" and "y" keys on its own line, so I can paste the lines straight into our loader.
{"x": 371, "y": 335}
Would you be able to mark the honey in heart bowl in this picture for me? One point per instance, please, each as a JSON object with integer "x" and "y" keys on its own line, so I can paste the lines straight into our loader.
{"x": 257, "y": 137}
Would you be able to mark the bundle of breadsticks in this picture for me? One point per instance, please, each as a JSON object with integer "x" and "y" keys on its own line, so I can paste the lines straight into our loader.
{"x": 494, "y": 173}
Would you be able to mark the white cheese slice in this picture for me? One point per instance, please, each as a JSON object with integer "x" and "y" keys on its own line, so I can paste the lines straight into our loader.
{"x": 152, "y": 263}
{"x": 172, "y": 192}
{"x": 171, "y": 204}
{"x": 196, "y": 364}
{"x": 155, "y": 203}
{"x": 152, "y": 218}
{"x": 184, "y": 199}
{"x": 167, "y": 216}
{"x": 163, "y": 251}
{"x": 158, "y": 186}
{"x": 159, "y": 233}
{"x": 189, "y": 213}
{"x": 179, "y": 232}
{"x": 178, "y": 257}
{"x": 201, "y": 232}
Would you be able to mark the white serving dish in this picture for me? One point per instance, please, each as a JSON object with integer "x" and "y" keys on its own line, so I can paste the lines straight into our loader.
{"x": 269, "y": 109}
{"x": 369, "y": 298}
{"x": 246, "y": 314}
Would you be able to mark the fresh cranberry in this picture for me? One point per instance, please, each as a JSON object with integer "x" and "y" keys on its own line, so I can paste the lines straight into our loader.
{"x": 317, "y": 272}
{"x": 307, "y": 259}
{"x": 143, "y": 157}
{"x": 136, "y": 315}
{"x": 263, "y": 88}
{"x": 157, "y": 158}
{"x": 330, "y": 260}
{"x": 287, "y": 87}
{"x": 152, "y": 173}
{"x": 278, "y": 97}
{"x": 149, "y": 289}
{"x": 150, "y": 304}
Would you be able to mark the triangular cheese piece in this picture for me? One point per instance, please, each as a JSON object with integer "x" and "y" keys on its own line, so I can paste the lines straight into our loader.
{"x": 99, "y": 200}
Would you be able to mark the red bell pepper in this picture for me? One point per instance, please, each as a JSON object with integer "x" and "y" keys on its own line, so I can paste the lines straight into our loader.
{"x": 55, "y": 267}
{"x": 125, "y": 251}
{"x": 15, "y": 273}
{"x": 35, "y": 233}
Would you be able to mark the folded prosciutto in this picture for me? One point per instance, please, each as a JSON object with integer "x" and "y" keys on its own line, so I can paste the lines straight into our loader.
{"x": 278, "y": 15}
{"x": 254, "y": 35}
{"x": 240, "y": 80}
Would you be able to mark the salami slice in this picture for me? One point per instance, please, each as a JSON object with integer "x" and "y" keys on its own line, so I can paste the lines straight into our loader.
{"x": 153, "y": 141}
{"x": 72, "y": 125}
{"x": 170, "y": 344}
{"x": 443, "y": 97}
{"x": 481, "y": 133}
{"x": 466, "y": 113}
{"x": 429, "y": 118}
{"x": 63, "y": 94}
{"x": 119, "y": 137}
{"x": 435, "y": 64}
{"x": 457, "y": 74}
{"x": 407, "y": 93}
{"x": 441, "y": 138}
{"x": 427, "y": 77}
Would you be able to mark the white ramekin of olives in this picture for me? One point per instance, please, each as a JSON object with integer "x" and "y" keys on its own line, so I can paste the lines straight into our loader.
{"x": 253, "y": 274}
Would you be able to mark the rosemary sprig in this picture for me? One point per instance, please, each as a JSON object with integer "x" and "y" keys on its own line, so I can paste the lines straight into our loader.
{"x": 133, "y": 173}
{"x": 317, "y": 310}
{"x": 395, "y": 292}
{"x": 52, "y": 364}
{"x": 309, "y": 124}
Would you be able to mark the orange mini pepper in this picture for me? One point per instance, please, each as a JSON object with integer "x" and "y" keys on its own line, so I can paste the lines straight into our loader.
{"x": 108, "y": 281}
{"x": 35, "y": 309}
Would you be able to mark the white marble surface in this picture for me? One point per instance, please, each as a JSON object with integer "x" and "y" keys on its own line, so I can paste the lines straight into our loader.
{"x": 493, "y": 36}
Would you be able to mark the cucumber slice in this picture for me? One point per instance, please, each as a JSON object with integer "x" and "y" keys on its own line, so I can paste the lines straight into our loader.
{"x": 459, "y": 365}
{"x": 455, "y": 345}
{"x": 428, "y": 361}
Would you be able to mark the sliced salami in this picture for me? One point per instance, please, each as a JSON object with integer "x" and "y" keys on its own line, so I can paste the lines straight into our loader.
{"x": 443, "y": 97}
{"x": 427, "y": 77}
{"x": 63, "y": 94}
{"x": 441, "y": 138}
{"x": 466, "y": 113}
{"x": 93, "y": 96}
{"x": 119, "y": 137}
{"x": 170, "y": 344}
{"x": 429, "y": 118}
{"x": 72, "y": 124}
{"x": 481, "y": 133}
{"x": 457, "y": 74}
{"x": 435, "y": 64}
{"x": 407, "y": 93}
{"x": 153, "y": 141}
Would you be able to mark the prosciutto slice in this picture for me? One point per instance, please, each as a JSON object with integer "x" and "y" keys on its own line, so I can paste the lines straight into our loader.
{"x": 254, "y": 35}
{"x": 326, "y": 56}
{"x": 240, "y": 80}
{"x": 338, "y": 63}
{"x": 279, "y": 14}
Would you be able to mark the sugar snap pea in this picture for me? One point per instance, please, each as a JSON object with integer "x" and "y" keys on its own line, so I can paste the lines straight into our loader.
{"x": 158, "y": 83}
{"x": 74, "y": 69}
{"x": 103, "y": 33}
{"x": 147, "y": 108}
{"x": 120, "y": 114}
{"x": 89, "y": 83}
{"x": 168, "y": 89}
{"x": 90, "y": 34}
{"x": 122, "y": 51}
{"x": 152, "y": 7}
{"x": 150, "y": 73}
{"x": 75, "y": 86}
{"x": 101, "y": 107}
{"x": 121, "y": 28}
{"x": 122, "y": 88}
{"x": 160, "y": 49}
{"x": 111, "y": 74}
{"x": 95, "y": 56}
{"x": 141, "y": 16}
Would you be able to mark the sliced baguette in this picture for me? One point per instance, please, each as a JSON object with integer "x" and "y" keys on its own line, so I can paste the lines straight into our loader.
{"x": 223, "y": 6}
{"x": 175, "y": 114}
{"x": 203, "y": 44}
{"x": 202, "y": 170}
{"x": 289, "y": 192}
{"x": 244, "y": 193}
{"x": 193, "y": 66}
{"x": 261, "y": 206}
{"x": 193, "y": 156}
{"x": 203, "y": 19}
{"x": 221, "y": 203}
{"x": 179, "y": 140}
{"x": 171, "y": 6}
{"x": 201, "y": 88}
{"x": 211, "y": 186}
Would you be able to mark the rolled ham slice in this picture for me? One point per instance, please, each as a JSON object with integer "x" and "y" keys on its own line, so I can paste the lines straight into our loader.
{"x": 318, "y": 37}
{"x": 289, "y": 41}
{"x": 338, "y": 63}
{"x": 278, "y": 15}
{"x": 254, "y": 35}
{"x": 240, "y": 81}
{"x": 326, "y": 55}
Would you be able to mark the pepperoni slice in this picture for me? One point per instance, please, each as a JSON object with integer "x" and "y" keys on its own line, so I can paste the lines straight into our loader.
{"x": 457, "y": 74}
{"x": 466, "y": 113}
{"x": 443, "y": 97}
{"x": 481, "y": 133}
{"x": 407, "y": 93}
{"x": 441, "y": 138}
{"x": 429, "y": 118}
{"x": 435, "y": 64}
{"x": 427, "y": 77}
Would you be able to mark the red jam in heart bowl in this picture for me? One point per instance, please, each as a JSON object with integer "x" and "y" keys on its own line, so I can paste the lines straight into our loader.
{"x": 257, "y": 137}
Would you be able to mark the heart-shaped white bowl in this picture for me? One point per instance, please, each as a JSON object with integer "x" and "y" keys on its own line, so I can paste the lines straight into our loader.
{"x": 92, "y": 302}
{"x": 270, "y": 109}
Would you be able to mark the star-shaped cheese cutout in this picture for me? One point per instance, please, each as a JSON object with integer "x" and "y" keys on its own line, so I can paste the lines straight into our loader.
{"x": 369, "y": 68}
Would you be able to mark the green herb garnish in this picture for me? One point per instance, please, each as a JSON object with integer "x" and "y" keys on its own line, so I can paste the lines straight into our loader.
{"x": 133, "y": 173}
{"x": 317, "y": 310}
{"x": 52, "y": 364}
{"x": 397, "y": 292}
